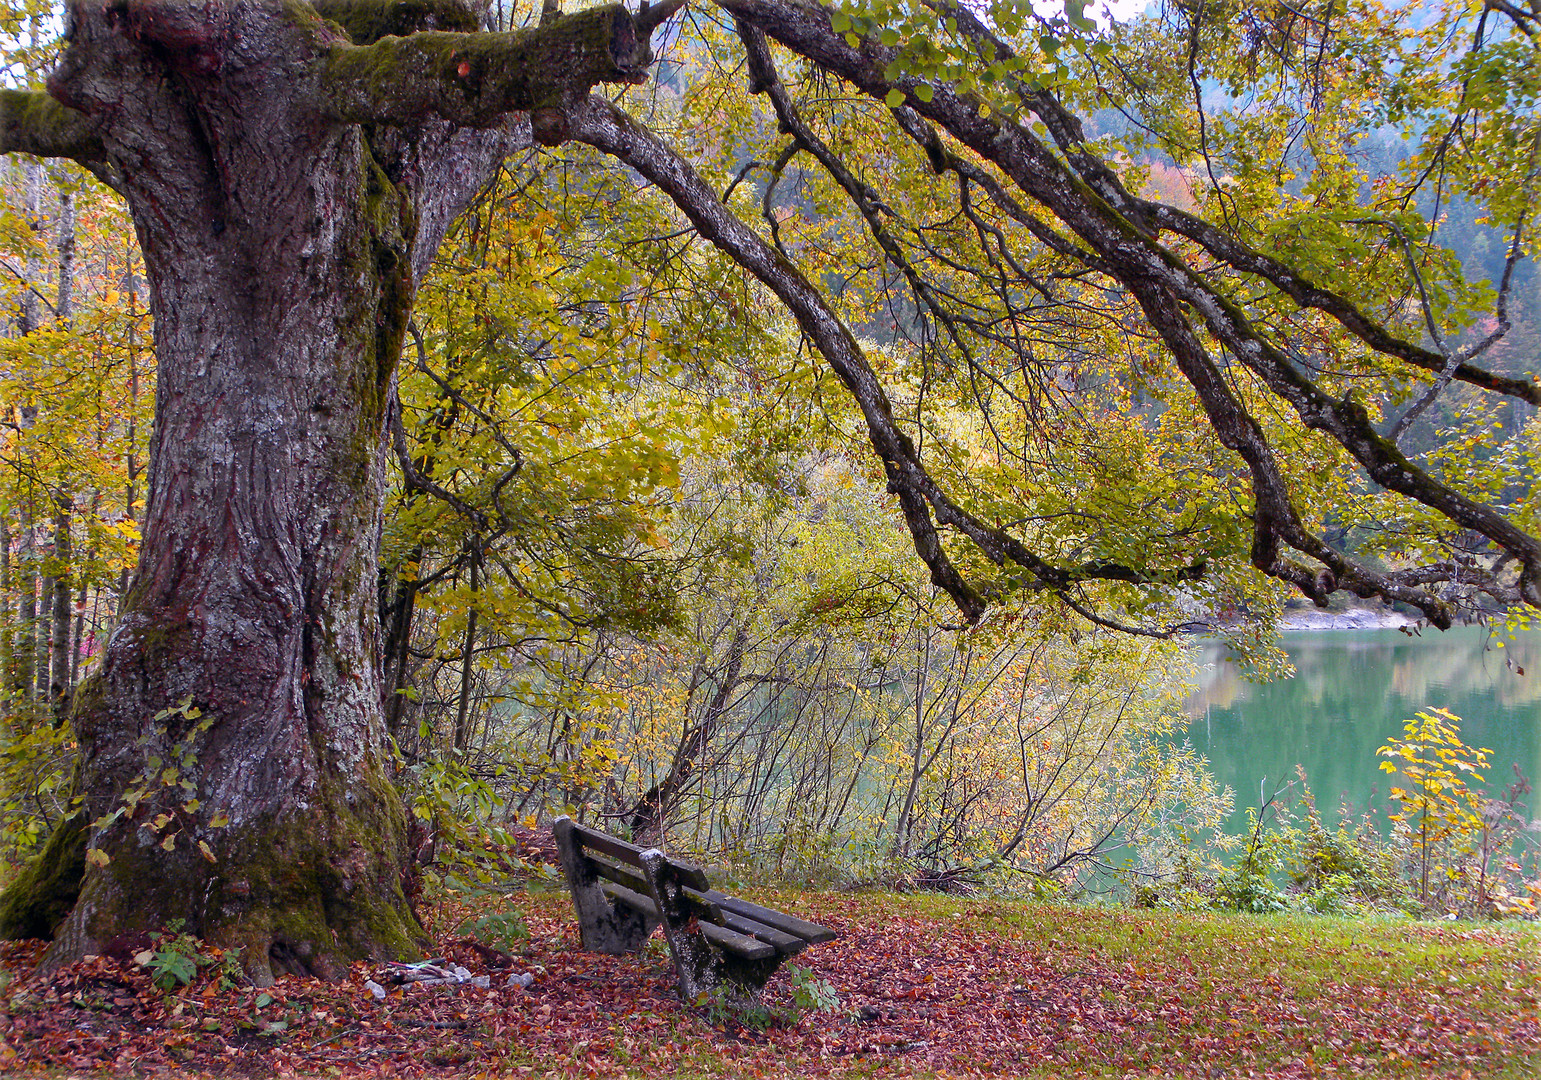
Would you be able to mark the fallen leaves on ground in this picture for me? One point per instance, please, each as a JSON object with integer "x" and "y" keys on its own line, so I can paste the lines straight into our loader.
{"x": 955, "y": 992}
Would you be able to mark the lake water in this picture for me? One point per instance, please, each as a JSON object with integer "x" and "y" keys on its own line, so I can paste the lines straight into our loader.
{"x": 1352, "y": 690}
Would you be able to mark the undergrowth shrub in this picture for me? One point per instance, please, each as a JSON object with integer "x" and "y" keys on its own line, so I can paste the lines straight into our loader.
{"x": 175, "y": 958}
{"x": 1452, "y": 848}
{"x": 36, "y": 761}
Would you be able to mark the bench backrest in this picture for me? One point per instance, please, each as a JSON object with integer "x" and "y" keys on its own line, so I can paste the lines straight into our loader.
{"x": 688, "y": 874}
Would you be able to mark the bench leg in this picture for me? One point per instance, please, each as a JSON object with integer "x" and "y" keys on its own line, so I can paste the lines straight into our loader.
{"x": 702, "y": 967}
{"x": 602, "y": 926}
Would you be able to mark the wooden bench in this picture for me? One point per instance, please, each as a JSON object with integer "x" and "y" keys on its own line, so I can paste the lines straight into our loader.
{"x": 623, "y": 893}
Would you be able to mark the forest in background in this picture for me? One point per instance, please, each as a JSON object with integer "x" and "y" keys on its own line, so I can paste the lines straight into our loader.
{"x": 639, "y": 563}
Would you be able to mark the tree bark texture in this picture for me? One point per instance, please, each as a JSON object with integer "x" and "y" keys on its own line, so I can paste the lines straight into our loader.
{"x": 283, "y": 237}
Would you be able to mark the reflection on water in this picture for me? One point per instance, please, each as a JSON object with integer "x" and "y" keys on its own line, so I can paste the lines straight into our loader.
{"x": 1352, "y": 691}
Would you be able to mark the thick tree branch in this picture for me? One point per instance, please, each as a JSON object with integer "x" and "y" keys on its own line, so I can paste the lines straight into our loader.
{"x": 367, "y": 21}
{"x": 1147, "y": 215}
{"x": 1238, "y": 256}
{"x": 31, "y": 122}
{"x": 476, "y": 79}
{"x": 764, "y": 78}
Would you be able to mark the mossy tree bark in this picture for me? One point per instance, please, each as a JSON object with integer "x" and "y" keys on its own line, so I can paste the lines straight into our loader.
{"x": 289, "y": 180}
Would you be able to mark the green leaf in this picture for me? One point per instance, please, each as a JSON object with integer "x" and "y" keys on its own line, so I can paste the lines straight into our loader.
{"x": 895, "y": 98}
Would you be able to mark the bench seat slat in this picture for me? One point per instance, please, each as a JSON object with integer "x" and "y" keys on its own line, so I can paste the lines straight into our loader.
{"x": 739, "y": 944}
{"x": 704, "y": 908}
{"x": 621, "y": 894}
{"x": 809, "y": 932}
{"x": 637, "y": 885}
{"x": 786, "y": 944}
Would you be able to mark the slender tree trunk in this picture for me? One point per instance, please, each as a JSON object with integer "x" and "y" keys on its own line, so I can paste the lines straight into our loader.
{"x": 467, "y": 658}
{"x": 7, "y": 621}
{"x": 26, "y": 611}
{"x": 59, "y": 676}
{"x": 32, "y": 198}
{"x": 27, "y": 322}
{"x": 905, "y": 824}
{"x": 44, "y": 629}
{"x": 78, "y": 639}
{"x": 59, "y": 681}
{"x": 398, "y": 605}
{"x": 131, "y": 471}
{"x": 64, "y": 239}
{"x": 649, "y": 818}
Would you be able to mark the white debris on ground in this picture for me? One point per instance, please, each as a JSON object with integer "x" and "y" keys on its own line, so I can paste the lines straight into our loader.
{"x": 436, "y": 972}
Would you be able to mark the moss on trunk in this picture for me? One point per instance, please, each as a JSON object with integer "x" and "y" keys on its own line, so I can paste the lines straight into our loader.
{"x": 305, "y": 892}
{"x": 46, "y": 889}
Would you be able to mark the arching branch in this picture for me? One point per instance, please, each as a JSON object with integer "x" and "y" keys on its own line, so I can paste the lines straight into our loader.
{"x": 926, "y": 507}
{"x": 1167, "y": 290}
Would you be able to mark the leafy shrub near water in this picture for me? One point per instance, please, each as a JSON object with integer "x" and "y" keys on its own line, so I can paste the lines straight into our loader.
{"x": 1452, "y": 850}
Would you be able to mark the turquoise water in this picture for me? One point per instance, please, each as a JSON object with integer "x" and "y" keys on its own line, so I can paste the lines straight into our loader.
{"x": 1353, "y": 689}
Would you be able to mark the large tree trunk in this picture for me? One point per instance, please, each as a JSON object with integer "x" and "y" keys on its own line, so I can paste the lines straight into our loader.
{"x": 240, "y": 695}
{"x": 279, "y": 257}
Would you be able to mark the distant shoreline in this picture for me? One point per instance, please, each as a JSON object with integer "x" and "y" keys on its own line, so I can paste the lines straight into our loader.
{"x": 1353, "y": 619}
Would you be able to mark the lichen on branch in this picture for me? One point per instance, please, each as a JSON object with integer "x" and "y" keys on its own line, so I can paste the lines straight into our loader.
{"x": 476, "y": 79}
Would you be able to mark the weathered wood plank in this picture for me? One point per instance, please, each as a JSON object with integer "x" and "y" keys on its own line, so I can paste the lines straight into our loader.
{"x": 621, "y": 875}
{"x": 738, "y": 944}
{"x": 621, "y": 894}
{"x": 688, "y": 874}
{"x": 809, "y": 932}
{"x": 704, "y": 908}
{"x": 786, "y": 944}
{"x": 606, "y": 844}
